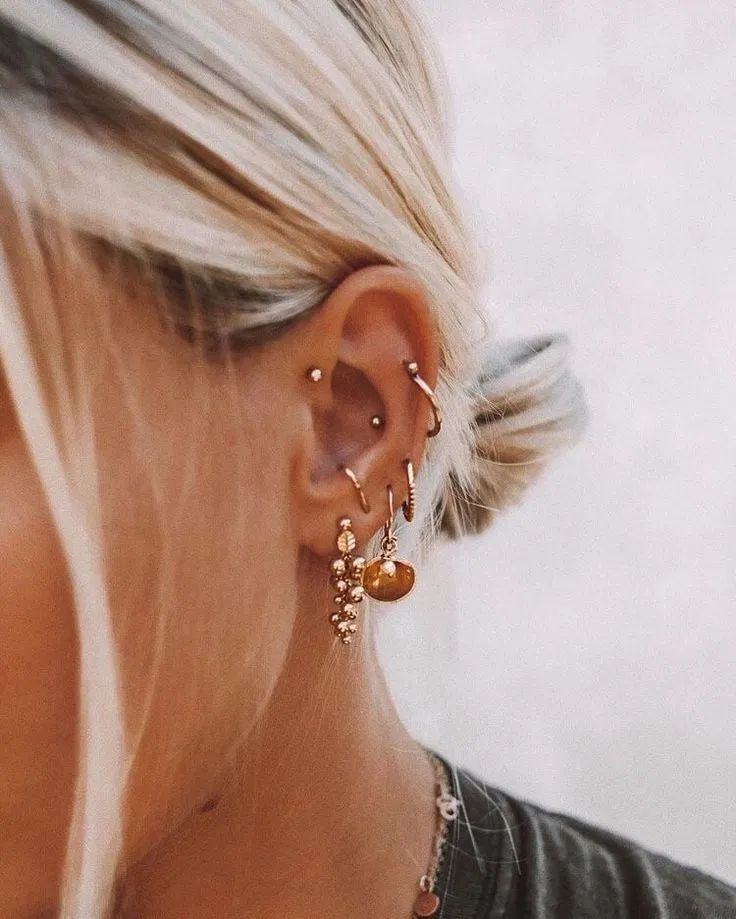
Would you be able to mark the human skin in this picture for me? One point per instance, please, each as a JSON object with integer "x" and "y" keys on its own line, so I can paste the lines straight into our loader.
{"x": 272, "y": 775}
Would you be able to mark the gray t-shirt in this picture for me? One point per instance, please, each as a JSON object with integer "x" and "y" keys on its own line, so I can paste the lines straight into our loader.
{"x": 523, "y": 862}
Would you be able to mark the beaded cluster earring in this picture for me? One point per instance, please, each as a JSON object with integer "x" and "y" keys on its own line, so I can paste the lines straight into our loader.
{"x": 385, "y": 577}
{"x": 347, "y": 578}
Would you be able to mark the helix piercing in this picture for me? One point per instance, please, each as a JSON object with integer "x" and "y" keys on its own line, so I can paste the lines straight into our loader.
{"x": 412, "y": 368}
{"x": 361, "y": 494}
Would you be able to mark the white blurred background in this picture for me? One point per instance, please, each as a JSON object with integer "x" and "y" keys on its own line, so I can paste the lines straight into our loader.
{"x": 592, "y": 664}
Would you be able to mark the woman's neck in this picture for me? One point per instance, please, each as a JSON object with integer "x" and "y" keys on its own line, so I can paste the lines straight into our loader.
{"x": 328, "y": 812}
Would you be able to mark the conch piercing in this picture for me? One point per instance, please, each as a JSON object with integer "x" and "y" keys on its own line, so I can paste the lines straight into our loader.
{"x": 361, "y": 494}
{"x": 409, "y": 506}
{"x": 346, "y": 577}
{"x": 412, "y": 368}
{"x": 385, "y": 577}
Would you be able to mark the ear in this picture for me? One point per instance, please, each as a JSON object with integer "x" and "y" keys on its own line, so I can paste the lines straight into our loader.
{"x": 360, "y": 337}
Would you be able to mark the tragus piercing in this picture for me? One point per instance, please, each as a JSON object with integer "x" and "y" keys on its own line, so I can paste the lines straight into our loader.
{"x": 412, "y": 368}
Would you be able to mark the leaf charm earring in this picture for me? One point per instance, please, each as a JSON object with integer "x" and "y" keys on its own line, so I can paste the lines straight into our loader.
{"x": 386, "y": 578}
{"x": 347, "y": 573}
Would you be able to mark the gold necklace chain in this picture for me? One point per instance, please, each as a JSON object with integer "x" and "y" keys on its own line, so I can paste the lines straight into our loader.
{"x": 427, "y": 902}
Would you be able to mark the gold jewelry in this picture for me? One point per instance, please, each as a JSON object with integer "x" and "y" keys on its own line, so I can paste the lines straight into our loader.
{"x": 412, "y": 368}
{"x": 376, "y": 422}
{"x": 361, "y": 494}
{"x": 385, "y": 577}
{"x": 346, "y": 576}
{"x": 409, "y": 506}
{"x": 314, "y": 374}
{"x": 428, "y": 902}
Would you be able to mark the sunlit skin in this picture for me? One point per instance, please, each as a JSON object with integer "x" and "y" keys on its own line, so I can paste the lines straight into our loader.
{"x": 252, "y": 794}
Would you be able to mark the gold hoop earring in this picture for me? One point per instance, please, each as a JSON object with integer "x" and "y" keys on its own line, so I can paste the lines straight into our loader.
{"x": 385, "y": 577}
{"x": 361, "y": 494}
{"x": 409, "y": 507}
{"x": 412, "y": 368}
{"x": 346, "y": 575}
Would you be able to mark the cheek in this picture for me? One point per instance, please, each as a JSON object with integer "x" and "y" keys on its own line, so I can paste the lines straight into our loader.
{"x": 38, "y": 684}
{"x": 201, "y": 578}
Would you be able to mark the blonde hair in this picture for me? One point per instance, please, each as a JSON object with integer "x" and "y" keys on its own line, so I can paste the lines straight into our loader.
{"x": 245, "y": 158}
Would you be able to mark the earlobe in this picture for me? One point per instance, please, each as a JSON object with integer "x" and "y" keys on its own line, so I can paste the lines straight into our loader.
{"x": 370, "y": 356}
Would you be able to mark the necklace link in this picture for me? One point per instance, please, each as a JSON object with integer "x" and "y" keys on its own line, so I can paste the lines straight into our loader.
{"x": 448, "y": 806}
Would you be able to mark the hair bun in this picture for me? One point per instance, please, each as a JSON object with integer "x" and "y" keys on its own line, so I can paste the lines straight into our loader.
{"x": 528, "y": 406}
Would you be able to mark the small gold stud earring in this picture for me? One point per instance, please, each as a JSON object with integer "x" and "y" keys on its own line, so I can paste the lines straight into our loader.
{"x": 314, "y": 374}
